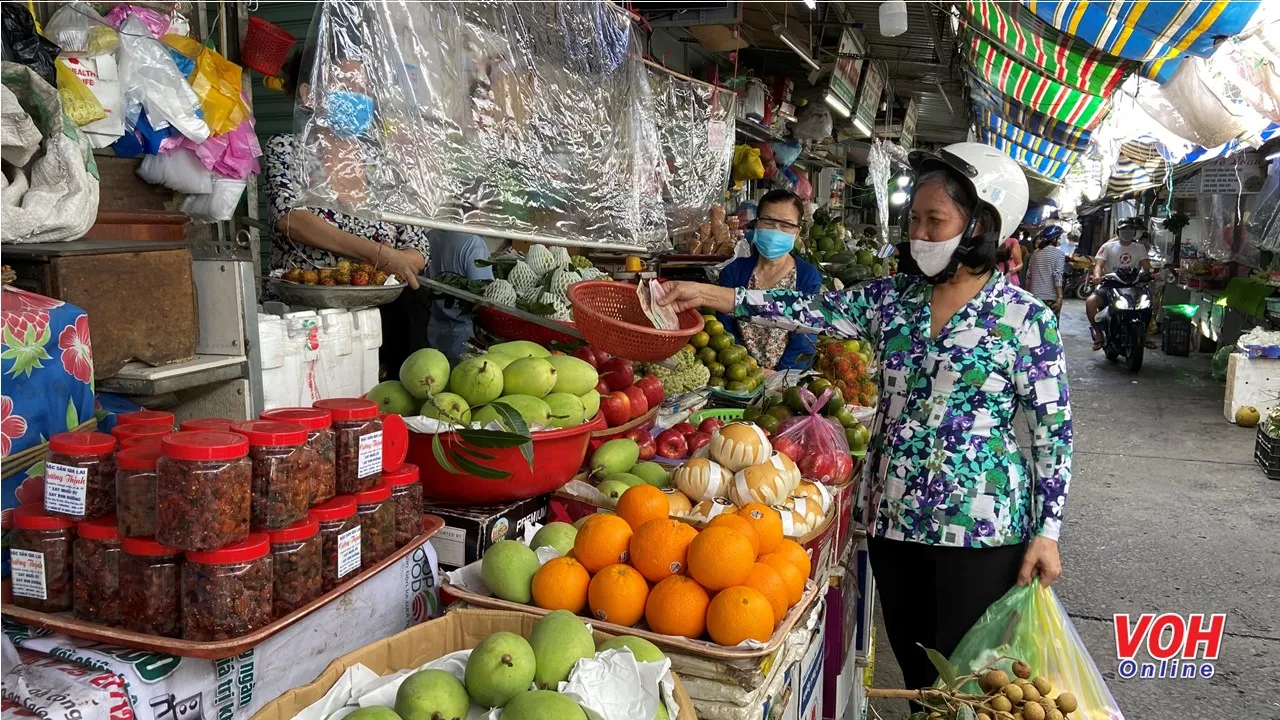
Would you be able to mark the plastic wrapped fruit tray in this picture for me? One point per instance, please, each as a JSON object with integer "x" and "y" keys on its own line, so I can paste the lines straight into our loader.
{"x": 216, "y": 650}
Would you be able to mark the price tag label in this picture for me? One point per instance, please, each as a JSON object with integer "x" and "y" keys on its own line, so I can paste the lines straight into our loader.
{"x": 64, "y": 488}
{"x": 26, "y": 571}
{"x": 716, "y": 133}
{"x": 370, "y": 454}
{"x": 349, "y": 551}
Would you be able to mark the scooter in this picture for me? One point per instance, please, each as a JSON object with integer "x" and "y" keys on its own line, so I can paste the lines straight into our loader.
{"x": 1125, "y": 315}
{"x": 1077, "y": 280}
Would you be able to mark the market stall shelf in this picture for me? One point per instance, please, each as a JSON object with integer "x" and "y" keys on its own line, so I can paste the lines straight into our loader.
{"x": 66, "y": 624}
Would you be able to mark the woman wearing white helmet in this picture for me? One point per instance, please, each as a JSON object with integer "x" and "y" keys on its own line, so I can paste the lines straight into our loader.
{"x": 956, "y": 514}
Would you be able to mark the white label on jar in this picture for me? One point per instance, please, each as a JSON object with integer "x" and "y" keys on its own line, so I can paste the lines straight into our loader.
{"x": 370, "y": 454}
{"x": 26, "y": 570}
{"x": 64, "y": 488}
{"x": 349, "y": 551}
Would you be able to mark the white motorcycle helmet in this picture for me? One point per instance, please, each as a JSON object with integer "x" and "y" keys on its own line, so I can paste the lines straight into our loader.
{"x": 995, "y": 178}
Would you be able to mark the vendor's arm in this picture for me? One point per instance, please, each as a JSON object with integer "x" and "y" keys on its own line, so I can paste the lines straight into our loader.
{"x": 801, "y": 347}
{"x": 851, "y": 313}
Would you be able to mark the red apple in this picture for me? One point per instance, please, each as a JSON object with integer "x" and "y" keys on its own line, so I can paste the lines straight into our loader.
{"x": 684, "y": 428}
{"x": 653, "y": 390}
{"x": 696, "y": 440}
{"x": 602, "y": 387}
{"x": 639, "y": 404}
{"x": 587, "y": 355}
{"x": 789, "y": 447}
{"x": 618, "y": 373}
{"x": 844, "y": 467}
{"x": 616, "y": 407}
{"x": 710, "y": 425}
{"x": 643, "y": 439}
{"x": 672, "y": 444}
{"x": 818, "y": 466}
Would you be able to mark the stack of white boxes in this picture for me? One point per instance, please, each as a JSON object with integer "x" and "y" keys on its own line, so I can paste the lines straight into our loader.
{"x": 308, "y": 355}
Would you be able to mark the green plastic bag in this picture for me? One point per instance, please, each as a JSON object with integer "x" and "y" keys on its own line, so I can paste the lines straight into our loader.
{"x": 1219, "y": 366}
{"x": 1029, "y": 623}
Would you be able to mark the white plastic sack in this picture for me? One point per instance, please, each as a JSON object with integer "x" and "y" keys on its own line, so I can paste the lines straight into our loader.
{"x": 218, "y": 205}
{"x": 77, "y": 28}
{"x": 152, "y": 79}
{"x": 180, "y": 170}
{"x": 1189, "y": 109}
{"x": 814, "y": 122}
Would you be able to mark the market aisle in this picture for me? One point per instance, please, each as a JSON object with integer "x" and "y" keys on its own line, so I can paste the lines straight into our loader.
{"x": 1167, "y": 513}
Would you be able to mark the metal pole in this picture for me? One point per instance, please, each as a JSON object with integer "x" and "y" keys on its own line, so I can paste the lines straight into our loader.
{"x": 398, "y": 219}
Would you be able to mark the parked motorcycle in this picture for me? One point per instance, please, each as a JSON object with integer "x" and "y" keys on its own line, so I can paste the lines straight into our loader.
{"x": 1076, "y": 282}
{"x": 1125, "y": 313}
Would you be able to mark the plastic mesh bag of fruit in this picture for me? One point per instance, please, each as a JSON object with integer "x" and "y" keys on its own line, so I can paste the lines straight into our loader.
{"x": 1030, "y": 624}
{"x": 816, "y": 443}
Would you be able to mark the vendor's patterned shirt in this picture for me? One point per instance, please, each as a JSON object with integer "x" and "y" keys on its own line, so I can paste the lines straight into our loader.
{"x": 944, "y": 467}
{"x": 283, "y": 186}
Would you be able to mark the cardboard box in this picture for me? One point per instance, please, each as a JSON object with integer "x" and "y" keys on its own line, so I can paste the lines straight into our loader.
{"x": 469, "y": 531}
{"x": 805, "y": 678}
{"x": 457, "y": 630}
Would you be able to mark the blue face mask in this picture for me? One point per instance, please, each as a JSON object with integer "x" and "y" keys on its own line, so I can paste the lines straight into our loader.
{"x": 772, "y": 244}
{"x": 349, "y": 113}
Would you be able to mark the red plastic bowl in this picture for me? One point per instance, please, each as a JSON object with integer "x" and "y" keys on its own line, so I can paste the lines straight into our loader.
{"x": 557, "y": 457}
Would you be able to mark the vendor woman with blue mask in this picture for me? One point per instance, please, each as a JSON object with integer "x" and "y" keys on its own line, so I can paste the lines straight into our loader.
{"x": 773, "y": 267}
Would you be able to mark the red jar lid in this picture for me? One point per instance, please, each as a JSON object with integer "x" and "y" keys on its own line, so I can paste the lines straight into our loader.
{"x": 103, "y": 528}
{"x": 395, "y": 441}
{"x": 81, "y": 443}
{"x": 339, "y": 508}
{"x": 251, "y": 548}
{"x": 309, "y": 418}
{"x": 146, "y": 417}
{"x": 147, "y": 547}
{"x": 304, "y": 529}
{"x": 140, "y": 442}
{"x": 349, "y": 408}
{"x": 214, "y": 424}
{"x": 204, "y": 446}
{"x": 131, "y": 433}
{"x": 139, "y": 456}
{"x": 33, "y": 517}
{"x": 406, "y": 474}
{"x": 269, "y": 433}
{"x": 376, "y": 494}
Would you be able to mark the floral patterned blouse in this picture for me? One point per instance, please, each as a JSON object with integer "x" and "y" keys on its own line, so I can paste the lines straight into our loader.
{"x": 284, "y": 187}
{"x": 767, "y": 344}
{"x": 944, "y": 467}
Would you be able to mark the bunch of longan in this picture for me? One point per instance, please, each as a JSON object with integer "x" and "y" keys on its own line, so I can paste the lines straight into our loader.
{"x": 1022, "y": 698}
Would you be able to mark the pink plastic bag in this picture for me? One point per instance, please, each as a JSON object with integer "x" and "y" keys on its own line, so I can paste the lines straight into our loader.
{"x": 233, "y": 155}
{"x": 817, "y": 444}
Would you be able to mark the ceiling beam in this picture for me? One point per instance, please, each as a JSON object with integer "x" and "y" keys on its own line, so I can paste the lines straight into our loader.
{"x": 932, "y": 24}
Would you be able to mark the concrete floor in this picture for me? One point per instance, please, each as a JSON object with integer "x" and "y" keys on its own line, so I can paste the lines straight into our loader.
{"x": 1167, "y": 513}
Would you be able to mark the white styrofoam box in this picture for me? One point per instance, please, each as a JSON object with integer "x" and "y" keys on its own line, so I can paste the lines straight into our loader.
{"x": 281, "y": 363}
{"x": 368, "y": 323}
{"x": 339, "y": 362}
{"x": 1251, "y": 381}
{"x": 304, "y": 338}
{"x": 805, "y": 677}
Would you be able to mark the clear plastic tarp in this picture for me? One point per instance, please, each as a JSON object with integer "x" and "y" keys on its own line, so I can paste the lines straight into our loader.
{"x": 517, "y": 118}
{"x": 696, "y": 129}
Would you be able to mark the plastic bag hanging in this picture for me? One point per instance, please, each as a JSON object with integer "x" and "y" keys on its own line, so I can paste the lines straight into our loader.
{"x": 152, "y": 79}
{"x": 78, "y": 29}
{"x": 819, "y": 441}
{"x": 23, "y": 45}
{"x": 78, "y": 101}
{"x": 216, "y": 81}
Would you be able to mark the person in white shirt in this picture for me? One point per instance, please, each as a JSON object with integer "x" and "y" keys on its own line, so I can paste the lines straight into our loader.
{"x": 1124, "y": 250}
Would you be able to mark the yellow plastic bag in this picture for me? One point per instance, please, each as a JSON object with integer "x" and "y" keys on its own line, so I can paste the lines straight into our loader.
{"x": 78, "y": 101}
{"x": 747, "y": 164}
{"x": 216, "y": 81}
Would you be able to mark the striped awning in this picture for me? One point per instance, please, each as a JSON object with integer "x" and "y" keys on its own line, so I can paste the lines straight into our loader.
{"x": 1157, "y": 34}
{"x": 1001, "y": 128}
{"x": 1045, "y": 167}
{"x": 1034, "y": 90}
{"x": 1141, "y": 165}
{"x": 1022, "y": 35}
{"x": 989, "y": 98}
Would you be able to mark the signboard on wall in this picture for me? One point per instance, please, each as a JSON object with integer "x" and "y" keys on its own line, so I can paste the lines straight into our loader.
{"x": 864, "y": 118}
{"x": 1239, "y": 175}
{"x": 848, "y": 69}
{"x": 908, "y": 136}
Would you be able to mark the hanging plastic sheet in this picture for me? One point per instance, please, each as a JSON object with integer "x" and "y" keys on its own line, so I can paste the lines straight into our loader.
{"x": 533, "y": 118}
{"x": 1035, "y": 91}
{"x": 78, "y": 29}
{"x": 987, "y": 98}
{"x": 216, "y": 81}
{"x": 1264, "y": 223}
{"x": 697, "y": 131}
{"x": 1189, "y": 109}
{"x": 878, "y": 178}
{"x": 151, "y": 79}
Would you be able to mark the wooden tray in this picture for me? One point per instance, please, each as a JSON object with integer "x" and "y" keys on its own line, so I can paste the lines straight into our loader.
{"x": 216, "y": 650}
{"x": 701, "y": 648}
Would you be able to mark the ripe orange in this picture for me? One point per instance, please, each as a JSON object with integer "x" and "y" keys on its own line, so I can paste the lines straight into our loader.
{"x": 790, "y": 573}
{"x": 770, "y": 584}
{"x": 659, "y": 548}
{"x": 720, "y": 557}
{"x": 561, "y": 584}
{"x": 642, "y": 503}
{"x": 767, "y": 523}
{"x": 617, "y": 594}
{"x": 739, "y": 523}
{"x": 795, "y": 553}
{"x": 739, "y": 613}
{"x": 677, "y": 606}
{"x": 602, "y": 542}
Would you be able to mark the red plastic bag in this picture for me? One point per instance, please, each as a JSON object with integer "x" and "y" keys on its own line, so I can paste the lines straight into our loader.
{"x": 817, "y": 444}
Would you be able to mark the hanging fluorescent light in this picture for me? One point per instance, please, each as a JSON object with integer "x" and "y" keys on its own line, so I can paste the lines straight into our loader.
{"x": 802, "y": 50}
{"x": 811, "y": 4}
{"x": 893, "y": 18}
{"x": 837, "y": 105}
{"x": 861, "y": 126}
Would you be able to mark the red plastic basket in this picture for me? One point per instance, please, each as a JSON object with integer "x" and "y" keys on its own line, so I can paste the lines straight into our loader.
{"x": 265, "y": 47}
{"x": 609, "y": 317}
{"x": 506, "y": 325}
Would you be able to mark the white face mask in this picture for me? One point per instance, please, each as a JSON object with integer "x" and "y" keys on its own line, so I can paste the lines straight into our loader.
{"x": 933, "y": 257}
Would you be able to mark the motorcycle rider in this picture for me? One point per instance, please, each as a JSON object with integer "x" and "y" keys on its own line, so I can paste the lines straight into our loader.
{"x": 1124, "y": 250}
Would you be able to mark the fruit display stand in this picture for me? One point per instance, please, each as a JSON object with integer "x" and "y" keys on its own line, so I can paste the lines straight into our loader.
{"x": 459, "y": 629}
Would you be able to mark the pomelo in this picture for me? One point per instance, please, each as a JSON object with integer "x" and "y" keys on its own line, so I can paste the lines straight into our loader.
{"x": 559, "y": 640}
{"x": 447, "y": 406}
{"x": 615, "y": 456}
{"x": 652, "y": 473}
{"x": 612, "y": 490}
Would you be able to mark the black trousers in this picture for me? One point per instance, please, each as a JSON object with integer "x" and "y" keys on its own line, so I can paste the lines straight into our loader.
{"x": 932, "y": 595}
{"x": 404, "y": 329}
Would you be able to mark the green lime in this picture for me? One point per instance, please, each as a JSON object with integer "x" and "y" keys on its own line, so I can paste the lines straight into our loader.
{"x": 735, "y": 386}
{"x": 752, "y": 362}
{"x": 714, "y": 327}
{"x": 716, "y": 368}
{"x": 721, "y": 341}
{"x": 768, "y": 422}
{"x": 818, "y": 384}
{"x": 708, "y": 318}
{"x": 751, "y": 414}
{"x": 782, "y": 412}
{"x": 716, "y": 382}
{"x": 737, "y": 371}
{"x": 707, "y": 355}
{"x": 752, "y": 382}
{"x": 732, "y": 354}
{"x": 794, "y": 400}
{"x": 834, "y": 404}
{"x": 845, "y": 418}
{"x": 700, "y": 339}
{"x": 857, "y": 436}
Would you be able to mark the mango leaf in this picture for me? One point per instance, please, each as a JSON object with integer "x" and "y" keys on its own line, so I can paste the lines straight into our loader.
{"x": 437, "y": 449}
{"x": 491, "y": 438}
{"x": 515, "y": 422}
{"x": 73, "y": 417}
{"x": 946, "y": 671}
{"x": 965, "y": 713}
{"x": 479, "y": 470}
{"x": 473, "y": 453}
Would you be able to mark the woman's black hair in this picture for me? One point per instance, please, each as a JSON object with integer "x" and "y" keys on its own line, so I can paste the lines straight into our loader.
{"x": 779, "y": 196}
{"x": 976, "y": 251}
{"x": 297, "y": 68}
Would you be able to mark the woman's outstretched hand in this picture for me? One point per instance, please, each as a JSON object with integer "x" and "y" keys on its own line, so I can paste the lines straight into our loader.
{"x": 1041, "y": 559}
{"x": 682, "y": 295}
